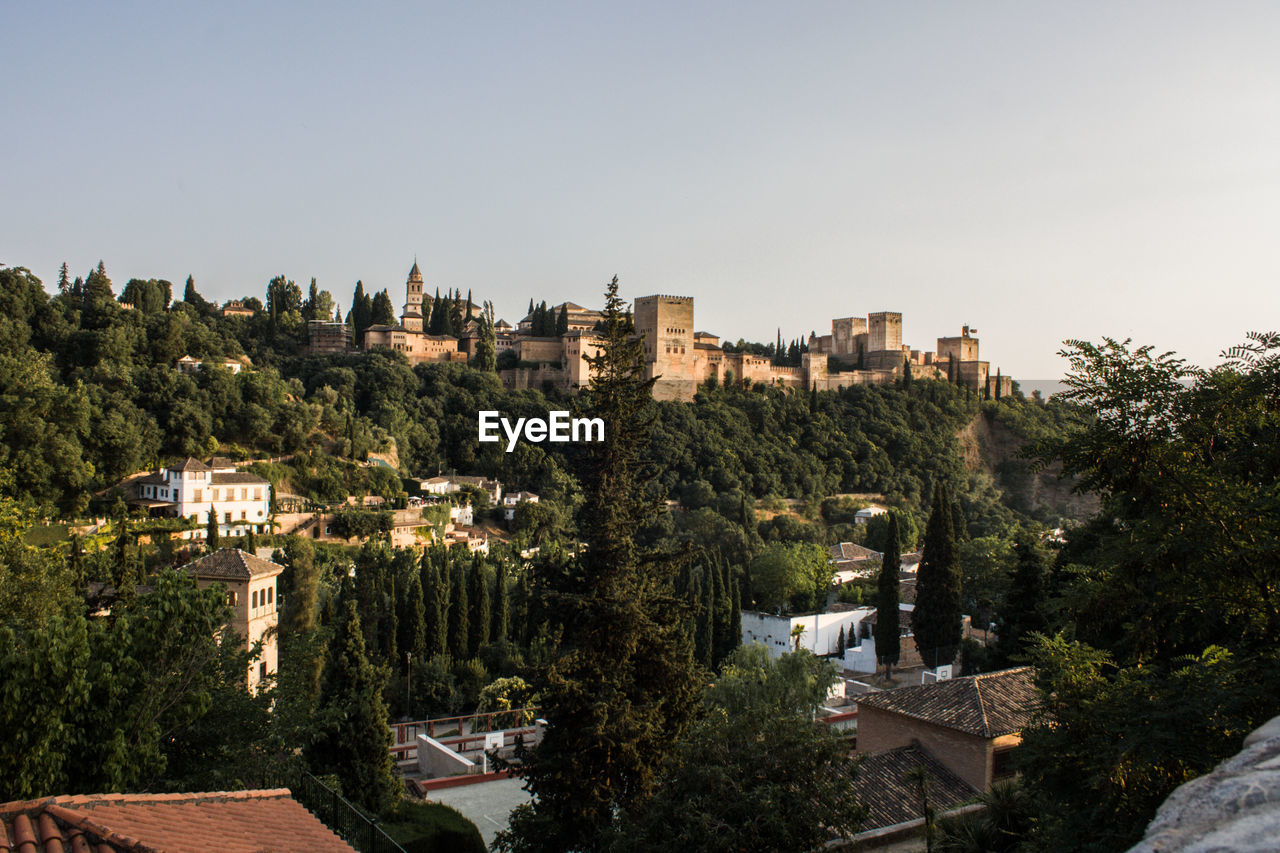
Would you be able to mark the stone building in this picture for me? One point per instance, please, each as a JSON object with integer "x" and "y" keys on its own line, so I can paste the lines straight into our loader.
{"x": 239, "y": 500}
{"x": 250, "y": 582}
{"x": 328, "y": 337}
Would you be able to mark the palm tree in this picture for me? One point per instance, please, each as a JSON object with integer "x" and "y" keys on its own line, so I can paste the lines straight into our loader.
{"x": 797, "y": 631}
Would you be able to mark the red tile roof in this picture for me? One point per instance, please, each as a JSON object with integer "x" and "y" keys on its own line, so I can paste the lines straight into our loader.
{"x": 231, "y": 564}
{"x": 988, "y": 705}
{"x": 223, "y": 822}
{"x": 884, "y": 786}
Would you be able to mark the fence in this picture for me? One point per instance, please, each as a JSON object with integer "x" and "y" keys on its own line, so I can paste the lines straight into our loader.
{"x": 343, "y": 818}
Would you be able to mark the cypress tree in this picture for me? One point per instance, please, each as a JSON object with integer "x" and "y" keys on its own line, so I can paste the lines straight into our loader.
{"x": 997, "y": 383}
{"x": 887, "y": 630}
{"x": 1022, "y": 612}
{"x": 250, "y": 543}
{"x": 936, "y": 618}
{"x": 434, "y": 601}
{"x": 722, "y": 631}
{"x": 459, "y": 627}
{"x": 501, "y": 605}
{"x": 840, "y": 641}
{"x": 958, "y": 526}
{"x": 352, "y": 739}
{"x": 211, "y": 529}
{"x": 703, "y": 637}
{"x": 388, "y": 624}
{"x": 624, "y": 687}
{"x": 480, "y": 616}
{"x": 906, "y": 372}
{"x": 562, "y": 322}
{"x": 735, "y": 607}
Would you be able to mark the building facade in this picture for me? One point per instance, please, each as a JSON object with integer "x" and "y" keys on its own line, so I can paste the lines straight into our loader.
{"x": 239, "y": 500}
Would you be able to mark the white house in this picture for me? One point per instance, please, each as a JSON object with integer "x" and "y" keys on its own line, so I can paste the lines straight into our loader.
{"x": 238, "y": 499}
{"x": 190, "y": 365}
{"x": 821, "y": 634}
{"x": 442, "y": 486}
{"x": 511, "y": 500}
{"x": 864, "y": 515}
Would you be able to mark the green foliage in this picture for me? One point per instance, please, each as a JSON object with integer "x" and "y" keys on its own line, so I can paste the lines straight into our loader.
{"x": 935, "y": 622}
{"x": 756, "y": 772}
{"x": 1166, "y": 658}
{"x": 1023, "y": 612}
{"x": 351, "y": 733}
{"x": 887, "y": 628}
{"x": 792, "y": 577}
{"x": 432, "y": 828}
{"x": 117, "y": 695}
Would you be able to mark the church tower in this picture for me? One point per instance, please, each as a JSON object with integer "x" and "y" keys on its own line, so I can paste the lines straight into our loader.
{"x": 411, "y": 319}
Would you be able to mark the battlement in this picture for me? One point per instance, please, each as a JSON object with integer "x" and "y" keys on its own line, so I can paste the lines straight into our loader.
{"x": 674, "y": 300}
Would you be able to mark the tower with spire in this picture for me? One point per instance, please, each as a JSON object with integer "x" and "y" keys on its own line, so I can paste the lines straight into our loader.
{"x": 411, "y": 319}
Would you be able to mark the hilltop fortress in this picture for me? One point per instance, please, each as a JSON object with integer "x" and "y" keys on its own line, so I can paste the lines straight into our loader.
{"x": 859, "y": 350}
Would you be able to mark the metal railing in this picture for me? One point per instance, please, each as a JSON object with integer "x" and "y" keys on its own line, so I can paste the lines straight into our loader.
{"x": 346, "y": 820}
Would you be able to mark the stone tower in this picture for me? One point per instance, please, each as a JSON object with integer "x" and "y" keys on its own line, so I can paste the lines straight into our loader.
{"x": 412, "y": 317}
{"x": 884, "y": 331}
{"x": 250, "y": 584}
{"x": 666, "y": 325}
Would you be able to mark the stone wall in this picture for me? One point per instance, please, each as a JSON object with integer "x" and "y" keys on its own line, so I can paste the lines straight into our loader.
{"x": 1236, "y": 807}
{"x": 967, "y": 756}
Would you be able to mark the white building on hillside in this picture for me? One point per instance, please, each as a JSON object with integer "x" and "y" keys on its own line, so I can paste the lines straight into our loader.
{"x": 239, "y": 500}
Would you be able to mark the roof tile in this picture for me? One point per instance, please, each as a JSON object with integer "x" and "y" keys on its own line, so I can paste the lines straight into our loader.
{"x": 987, "y": 705}
{"x": 231, "y": 564}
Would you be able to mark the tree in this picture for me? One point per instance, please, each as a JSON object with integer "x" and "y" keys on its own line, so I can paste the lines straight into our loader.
{"x": 479, "y": 617}
{"x": 1166, "y": 654}
{"x": 353, "y": 740}
{"x": 211, "y": 529}
{"x": 1022, "y": 613}
{"x": 793, "y": 576}
{"x": 562, "y": 321}
{"x": 624, "y": 684}
{"x": 755, "y": 772}
{"x": 459, "y": 613}
{"x": 486, "y": 354}
{"x": 887, "y": 630}
{"x": 435, "y": 597}
{"x": 501, "y": 605}
{"x": 935, "y": 622}
{"x": 384, "y": 313}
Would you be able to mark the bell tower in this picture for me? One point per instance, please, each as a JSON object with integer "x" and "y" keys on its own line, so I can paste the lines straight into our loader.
{"x": 411, "y": 319}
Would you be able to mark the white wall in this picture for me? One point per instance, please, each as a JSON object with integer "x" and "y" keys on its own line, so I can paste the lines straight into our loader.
{"x": 822, "y": 630}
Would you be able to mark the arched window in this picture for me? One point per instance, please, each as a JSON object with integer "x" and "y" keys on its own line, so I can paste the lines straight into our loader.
{"x": 271, "y": 594}
{"x": 255, "y": 598}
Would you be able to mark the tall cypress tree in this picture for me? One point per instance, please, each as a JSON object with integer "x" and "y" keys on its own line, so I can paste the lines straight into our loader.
{"x": 1022, "y": 612}
{"x": 936, "y": 618}
{"x": 459, "y": 615}
{"x": 501, "y": 605}
{"x": 478, "y": 636}
{"x": 562, "y": 322}
{"x": 624, "y": 687}
{"x": 435, "y": 603}
{"x": 705, "y": 641}
{"x": 887, "y": 631}
{"x": 352, "y": 737}
{"x": 211, "y": 529}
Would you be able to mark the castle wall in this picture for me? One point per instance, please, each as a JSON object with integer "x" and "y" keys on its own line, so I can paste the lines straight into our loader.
{"x": 845, "y": 333}
{"x": 666, "y": 325}
{"x": 539, "y": 349}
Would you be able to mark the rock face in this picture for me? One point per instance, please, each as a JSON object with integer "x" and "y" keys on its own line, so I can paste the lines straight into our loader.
{"x": 1234, "y": 808}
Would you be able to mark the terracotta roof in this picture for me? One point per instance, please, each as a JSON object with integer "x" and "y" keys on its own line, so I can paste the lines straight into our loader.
{"x": 221, "y": 462}
{"x": 891, "y": 797}
{"x": 850, "y": 551}
{"x": 223, "y": 822}
{"x": 191, "y": 464}
{"x": 231, "y": 564}
{"x": 988, "y": 705}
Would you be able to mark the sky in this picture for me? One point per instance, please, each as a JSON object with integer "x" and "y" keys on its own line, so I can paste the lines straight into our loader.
{"x": 1040, "y": 171}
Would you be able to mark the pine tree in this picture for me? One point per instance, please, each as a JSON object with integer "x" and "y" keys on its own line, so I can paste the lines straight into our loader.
{"x": 459, "y": 624}
{"x": 624, "y": 687}
{"x": 352, "y": 739}
{"x": 64, "y": 281}
{"x": 211, "y": 529}
{"x": 936, "y": 618}
{"x": 479, "y": 617}
{"x": 887, "y": 630}
{"x": 501, "y": 605}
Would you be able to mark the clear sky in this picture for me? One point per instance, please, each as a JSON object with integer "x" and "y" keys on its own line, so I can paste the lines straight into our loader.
{"x": 1042, "y": 171}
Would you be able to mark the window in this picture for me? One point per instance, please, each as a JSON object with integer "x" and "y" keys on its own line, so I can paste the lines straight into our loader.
{"x": 1002, "y": 763}
{"x": 243, "y": 515}
{"x": 271, "y": 594}
{"x": 257, "y": 494}
{"x": 262, "y": 671}
{"x": 199, "y": 495}
{"x": 233, "y": 598}
{"x": 244, "y": 494}
{"x": 227, "y": 518}
{"x": 215, "y": 495}
{"x": 254, "y": 599}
